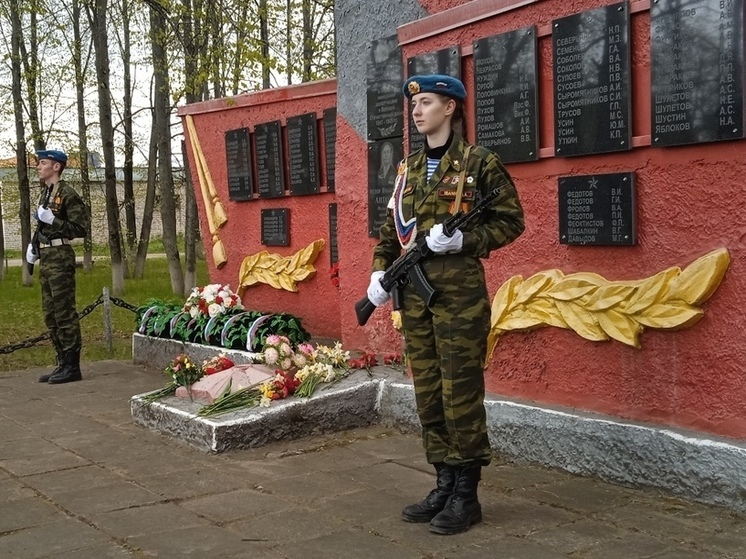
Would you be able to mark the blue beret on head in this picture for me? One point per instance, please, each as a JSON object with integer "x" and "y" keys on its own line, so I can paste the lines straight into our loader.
{"x": 435, "y": 83}
{"x": 53, "y": 154}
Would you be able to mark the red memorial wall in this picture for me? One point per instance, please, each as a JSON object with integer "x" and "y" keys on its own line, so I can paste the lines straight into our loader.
{"x": 689, "y": 201}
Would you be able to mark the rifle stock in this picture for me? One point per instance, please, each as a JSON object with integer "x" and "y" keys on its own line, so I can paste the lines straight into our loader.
{"x": 406, "y": 268}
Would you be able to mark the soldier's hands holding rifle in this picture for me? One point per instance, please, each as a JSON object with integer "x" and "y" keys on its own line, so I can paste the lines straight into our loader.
{"x": 376, "y": 293}
{"x": 31, "y": 254}
{"x": 45, "y": 215}
{"x": 440, "y": 243}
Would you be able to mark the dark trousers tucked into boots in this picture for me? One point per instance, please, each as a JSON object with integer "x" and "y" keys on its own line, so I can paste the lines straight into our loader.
{"x": 425, "y": 510}
{"x": 463, "y": 508}
{"x": 70, "y": 370}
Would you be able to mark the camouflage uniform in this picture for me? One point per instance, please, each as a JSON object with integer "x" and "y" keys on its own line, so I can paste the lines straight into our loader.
{"x": 447, "y": 343}
{"x": 57, "y": 268}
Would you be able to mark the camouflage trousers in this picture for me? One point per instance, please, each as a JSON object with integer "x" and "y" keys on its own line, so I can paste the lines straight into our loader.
{"x": 447, "y": 345}
{"x": 57, "y": 278}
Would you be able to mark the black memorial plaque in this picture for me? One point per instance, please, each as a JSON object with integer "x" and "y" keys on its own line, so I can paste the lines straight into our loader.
{"x": 445, "y": 61}
{"x": 505, "y": 70}
{"x": 330, "y": 146}
{"x": 238, "y": 156}
{"x": 597, "y": 210}
{"x": 592, "y": 81}
{"x": 276, "y": 227}
{"x": 383, "y": 158}
{"x": 270, "y": 176}
{"x": 303, "y": 154}
{"x": 333, "y": 244}
{"x": 697, "y": 71}
{"x": 384, "y": 77}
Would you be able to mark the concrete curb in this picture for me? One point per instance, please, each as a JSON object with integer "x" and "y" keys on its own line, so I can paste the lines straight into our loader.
{"x": 688, "y": 464}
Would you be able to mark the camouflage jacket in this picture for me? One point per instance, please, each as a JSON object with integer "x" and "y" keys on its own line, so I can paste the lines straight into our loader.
{"x": 71, "y": 216}
{"x": 432, "y": 202}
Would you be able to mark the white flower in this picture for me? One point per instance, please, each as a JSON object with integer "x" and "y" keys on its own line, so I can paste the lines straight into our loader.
{"x": 285, "y": 349}
{"x": 193, "y": 312}
{"x": 270, "y": 356}
{"x": 265, "y": 402}
{"x": 214, "y": 310}
{"x": 286, "y": 363}
{"x": 299, "y": 360}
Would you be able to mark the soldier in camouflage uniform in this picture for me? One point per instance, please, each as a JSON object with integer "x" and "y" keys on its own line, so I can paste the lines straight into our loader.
{"x": 447, "y": 342}
{"x": 62, "y": 216}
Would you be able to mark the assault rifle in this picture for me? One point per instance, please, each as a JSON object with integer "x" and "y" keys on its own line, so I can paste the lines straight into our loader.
{"x": 407, "y": 267}
{"x": 35, "y": 237}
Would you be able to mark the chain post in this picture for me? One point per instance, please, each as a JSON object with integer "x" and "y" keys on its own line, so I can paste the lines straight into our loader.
{"x": 107, "y": 322}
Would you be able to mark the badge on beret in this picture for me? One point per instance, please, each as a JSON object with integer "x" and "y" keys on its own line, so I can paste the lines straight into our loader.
{"x": 469, "y": 180}
{"x": 414, "y": 88}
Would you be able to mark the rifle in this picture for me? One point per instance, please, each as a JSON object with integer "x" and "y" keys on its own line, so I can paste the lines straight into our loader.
{"x": 35, "y": 237}
{"x": 407, "y": 267}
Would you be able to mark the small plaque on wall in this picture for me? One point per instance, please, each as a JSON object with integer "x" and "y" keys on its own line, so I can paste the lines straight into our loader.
{"x": 445, "y": 61}
{"x": 505, "y": 71}
{"x": 597, "y": 209}
{"x": 384, "y": 73}
{"x": 383, "y": 158}
{"x": 303, "y": 154}
{"x": 238, "y": 156}
{"x": 592, "y": 81}
{"x": 330, "y": 145}
{"x": 333, "y": 239}
{"x": 697, "y": 71}
{"x": 270, "y": 174}
{"x": 276, "y": 227}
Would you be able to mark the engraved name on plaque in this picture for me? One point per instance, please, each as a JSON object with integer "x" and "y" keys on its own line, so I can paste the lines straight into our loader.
{"x": 238, "y": 157}
{"x": 270, "y": 176}
{"x": 597, "y": 209}
{"x": 445, "y": 61}
{"x": 592, "y": 81}
{"x": 384, "y": 77}
{"x": 333, "y": 238}
{"x": 383, "y": 158}
{"x": 303, "y": 154}
{"x": 697, "y": 71}
{"x": 505, "y": 91}
{"x": 276, "y": 227}
{"x": 330, "y": 145}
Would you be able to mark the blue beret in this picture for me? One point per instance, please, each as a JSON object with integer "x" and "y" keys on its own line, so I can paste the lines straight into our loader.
{"x": 53, "y": 154}
{"x": 435, "y": 83}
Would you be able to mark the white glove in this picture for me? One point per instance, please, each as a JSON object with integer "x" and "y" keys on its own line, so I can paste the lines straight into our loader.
{"x": 45, "y": 215}
{"x": 440, "y": 244}
{"x": 31, "y": 257}
{"x": 376, "y": 293}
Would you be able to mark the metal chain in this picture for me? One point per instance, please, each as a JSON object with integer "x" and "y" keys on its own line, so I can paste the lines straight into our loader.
{"x": 31, "y": 342}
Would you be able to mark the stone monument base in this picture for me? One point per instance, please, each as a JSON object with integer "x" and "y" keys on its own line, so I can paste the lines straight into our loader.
{"x": 688, "y": 464}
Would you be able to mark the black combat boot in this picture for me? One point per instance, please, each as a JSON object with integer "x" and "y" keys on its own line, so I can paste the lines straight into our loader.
{"x": 463, "y": 508}
{"x": 425, "y": 510}
{"x": 70, "y": 371}
{"x": 58, "y": 361}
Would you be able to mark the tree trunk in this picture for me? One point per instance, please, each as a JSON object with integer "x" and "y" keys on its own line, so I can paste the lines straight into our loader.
{"x": 147, "y": 212}
{"x": 30, "y": 61}
{"x": 82, "y": 131}
{"x": 99, "y": 32}
{"x": 307, "y": 41}
{"x": 191, "y": 225}
{"x": 264, "y": 40}
{"x": 24, "y": 212}
{"x": 289, "y": 42}
{"x": 129, "y": 145}
{"x": 163, "y": 130}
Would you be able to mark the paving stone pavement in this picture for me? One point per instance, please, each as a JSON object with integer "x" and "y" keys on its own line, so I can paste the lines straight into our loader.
{"x": 78, "y": 480}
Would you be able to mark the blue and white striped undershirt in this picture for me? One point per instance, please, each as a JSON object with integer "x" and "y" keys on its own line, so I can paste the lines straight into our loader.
{"x": 432, "y": 164}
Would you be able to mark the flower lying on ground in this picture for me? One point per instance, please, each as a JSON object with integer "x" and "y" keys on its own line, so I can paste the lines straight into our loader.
{"x": 365, "y": 361}
{"x": 217, "y": 364}
{"x": 183, "y": 372}
{"x": 211, "y": 300}
{"x": 326, "y": 364}
{"x": 283, "y": 385}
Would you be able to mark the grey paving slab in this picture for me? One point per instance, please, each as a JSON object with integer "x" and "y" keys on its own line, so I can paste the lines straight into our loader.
{"x": 576, "y": 536}
{"x": 194, "y": 542}
{"x": 27, "y": 513}
{"x": 235, "y": 505}
{"x": 194, "y": 482}
{"x": 114, "y": 496}
{"x": 47, "y": 462}
{"x": 48, "y": 540}
{"x": 315, "y": 486}
{"x": 359, "y": 544}
{"x": 103, "y": 551}
{"x": 148, "y": 519}
{"x": 54, "y": 483}
{"x": 631, "y": 546}
{"x": 13, "y": 490}
{"x": 579, "y": 494}
{"x": 294, "y": 525}
{"x": 509, "y": 548}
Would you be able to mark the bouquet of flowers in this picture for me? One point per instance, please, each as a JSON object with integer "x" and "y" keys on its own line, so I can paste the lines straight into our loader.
{"x": 278, "y": 352}
{"x": 334, "y": 274}
{"x": 211, "y": 300}
{"x": 182, "y": 371}
{"x": 283, "y": 385}
{"x": 217, "y": 364}
{"x": 324, "y": 364}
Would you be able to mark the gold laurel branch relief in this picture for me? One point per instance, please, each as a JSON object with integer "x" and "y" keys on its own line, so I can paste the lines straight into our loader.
{"x": 598, "y": 309}
{"x": 281, "y": 272}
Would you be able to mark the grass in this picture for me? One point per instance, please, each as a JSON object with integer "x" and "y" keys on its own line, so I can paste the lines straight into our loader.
{"x": 21, "y": 316}
{"x": 155, "y": 246}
